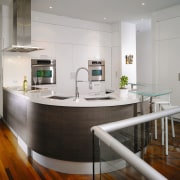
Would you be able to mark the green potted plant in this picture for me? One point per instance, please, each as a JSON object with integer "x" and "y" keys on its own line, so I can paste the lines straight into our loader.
{"x": 123, "y": 83}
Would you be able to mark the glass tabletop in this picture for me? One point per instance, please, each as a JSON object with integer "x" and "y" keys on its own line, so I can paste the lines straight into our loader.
{"x": 150, "y": 90}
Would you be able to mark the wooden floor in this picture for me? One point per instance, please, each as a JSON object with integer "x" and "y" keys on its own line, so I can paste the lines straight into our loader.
{"x": 14, "y": 164}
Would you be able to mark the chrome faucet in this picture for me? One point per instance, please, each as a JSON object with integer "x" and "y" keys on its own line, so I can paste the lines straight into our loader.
{"x": 76, "y": 83}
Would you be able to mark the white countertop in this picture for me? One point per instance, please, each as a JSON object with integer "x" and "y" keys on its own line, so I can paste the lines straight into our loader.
{"x": 42, "y": 97}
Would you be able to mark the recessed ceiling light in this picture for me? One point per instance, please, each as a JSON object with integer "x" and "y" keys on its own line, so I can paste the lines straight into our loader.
{"x": 50, "y": 7}
{"x": 104, "y": 18}
{"x": 143, "y": 3}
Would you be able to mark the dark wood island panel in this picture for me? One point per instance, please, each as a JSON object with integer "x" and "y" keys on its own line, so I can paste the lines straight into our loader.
{"x": 64, "y": 132}
{"x": 15, "y": 113}
{"x": 61, "y": 132}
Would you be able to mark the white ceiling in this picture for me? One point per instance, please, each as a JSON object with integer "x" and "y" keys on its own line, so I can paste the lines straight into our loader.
{"x": 108, "y": 11}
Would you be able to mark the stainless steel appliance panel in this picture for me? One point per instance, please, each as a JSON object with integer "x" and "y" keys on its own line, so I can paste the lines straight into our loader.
{"x": 43, "y": 71}
{"x": 96, "y": 70}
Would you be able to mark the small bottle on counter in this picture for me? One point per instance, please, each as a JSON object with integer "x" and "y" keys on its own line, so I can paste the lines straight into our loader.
{"x": 25, "y": 84}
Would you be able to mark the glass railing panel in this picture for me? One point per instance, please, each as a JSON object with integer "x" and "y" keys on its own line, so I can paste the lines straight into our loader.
{"x": 133, "y": 141}
{"x": 113, "y": 167}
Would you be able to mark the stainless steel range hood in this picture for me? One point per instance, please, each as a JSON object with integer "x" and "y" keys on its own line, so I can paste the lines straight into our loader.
{"x": 22, "y": 27}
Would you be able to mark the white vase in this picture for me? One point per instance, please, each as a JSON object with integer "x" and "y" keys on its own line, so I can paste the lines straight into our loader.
{"x": 123, "y": 92}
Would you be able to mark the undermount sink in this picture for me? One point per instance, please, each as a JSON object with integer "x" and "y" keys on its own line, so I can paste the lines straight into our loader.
{"x": 30, "y": 89}
{"x": 99, "y": 98}
{"x": 59, "y": 97}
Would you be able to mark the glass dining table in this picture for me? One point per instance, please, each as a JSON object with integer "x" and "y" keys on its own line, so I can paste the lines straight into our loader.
{"x": 148, "y": 92}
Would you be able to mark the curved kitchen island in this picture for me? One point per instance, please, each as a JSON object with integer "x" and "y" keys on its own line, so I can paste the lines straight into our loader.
{"x": 56, "y": 129}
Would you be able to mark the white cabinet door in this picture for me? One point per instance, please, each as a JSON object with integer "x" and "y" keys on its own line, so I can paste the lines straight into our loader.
{"x": 65, "y": 83}
{"x": 169, "y": 67}
{"x": 169, "y": 28}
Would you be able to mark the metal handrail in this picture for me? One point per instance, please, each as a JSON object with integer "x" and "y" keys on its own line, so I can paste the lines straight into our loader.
{"x": 101, "y": 132}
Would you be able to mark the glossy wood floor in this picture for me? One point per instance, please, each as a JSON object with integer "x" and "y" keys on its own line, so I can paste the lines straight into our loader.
{"x": 14, "y": 165}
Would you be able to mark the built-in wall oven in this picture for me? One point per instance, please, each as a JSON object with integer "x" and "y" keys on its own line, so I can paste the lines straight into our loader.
{"x": 43, "y": 71}
{"x": 96, "y": 70}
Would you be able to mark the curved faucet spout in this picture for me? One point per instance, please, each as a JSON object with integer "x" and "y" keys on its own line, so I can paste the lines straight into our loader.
{"x": 76, "y": 82}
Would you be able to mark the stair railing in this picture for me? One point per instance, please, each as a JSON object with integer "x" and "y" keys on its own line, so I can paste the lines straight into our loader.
{"x": 102, "y": 132}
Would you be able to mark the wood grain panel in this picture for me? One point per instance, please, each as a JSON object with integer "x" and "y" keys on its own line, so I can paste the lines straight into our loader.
{"x": 64, "y": 132}
{"x": 15, "y": 112}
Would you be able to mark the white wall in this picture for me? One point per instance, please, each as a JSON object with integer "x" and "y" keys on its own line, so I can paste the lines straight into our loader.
{"x": 116, "y": 55}
{"x": 71, "y": 42}
{"x": 144, "y": 56}
{"x": 7, "y": 24}
{"x": 166, "y": 25}
{"x": 123, "y": 43}
{"x": 128, "y": 47}
{"x": 15, "y": 67}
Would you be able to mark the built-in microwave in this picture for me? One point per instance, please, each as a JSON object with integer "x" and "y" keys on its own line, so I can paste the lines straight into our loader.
{"x": 96, "y": 70}
{"x": 43, "y": 71}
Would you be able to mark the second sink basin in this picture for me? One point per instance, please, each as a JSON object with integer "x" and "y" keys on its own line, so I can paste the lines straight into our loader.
{"x": 99, "y": 98}
{"x": 59, "y": 97}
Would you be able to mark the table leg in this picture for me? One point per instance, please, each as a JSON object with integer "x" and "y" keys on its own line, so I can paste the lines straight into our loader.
{"x": 141, "y": 104}
{"x": 142, "y": 128}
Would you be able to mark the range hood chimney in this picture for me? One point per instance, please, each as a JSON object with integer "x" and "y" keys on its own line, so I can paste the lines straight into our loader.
{"x": 22, "y": 27}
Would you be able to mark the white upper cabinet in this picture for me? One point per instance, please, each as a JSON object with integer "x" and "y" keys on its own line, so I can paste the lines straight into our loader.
{"x": 169, "y": 28}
